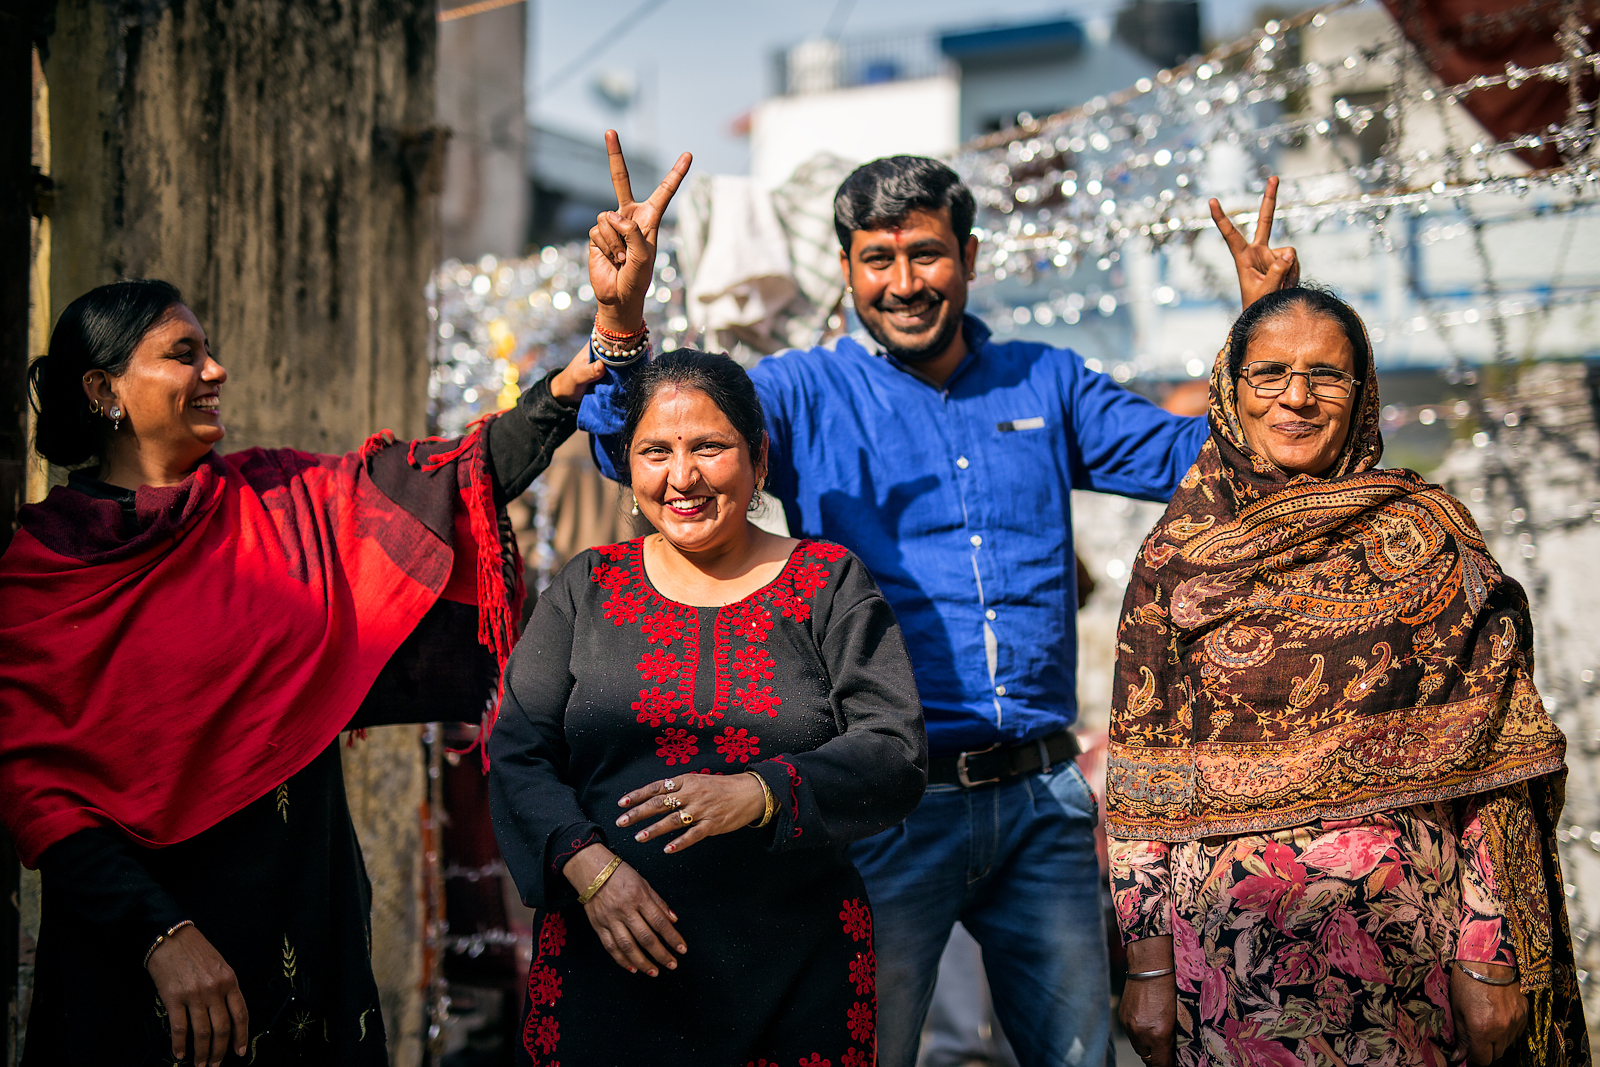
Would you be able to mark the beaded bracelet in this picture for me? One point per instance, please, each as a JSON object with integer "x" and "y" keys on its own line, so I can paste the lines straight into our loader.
{"x": 613, "y": 358}
{"x": 620, "y": 338}
{"x": 162, "y": 939}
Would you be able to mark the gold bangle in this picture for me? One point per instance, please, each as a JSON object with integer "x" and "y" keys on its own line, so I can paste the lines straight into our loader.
{"x": 766, "y": 793}
{"x": 162, "y": 938}
{"x": 600, "y": 880}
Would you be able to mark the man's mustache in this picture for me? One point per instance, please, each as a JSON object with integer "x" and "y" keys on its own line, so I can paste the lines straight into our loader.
{"x": 927, "y": 298}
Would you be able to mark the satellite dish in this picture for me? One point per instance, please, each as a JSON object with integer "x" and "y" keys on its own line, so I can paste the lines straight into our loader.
{"x": 616, "y": 89}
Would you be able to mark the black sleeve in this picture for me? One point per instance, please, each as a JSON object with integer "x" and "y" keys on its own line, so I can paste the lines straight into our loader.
{"x": 872, "y": 775}
{"x": 537, "y": 819}
{"x": 440, "y": 674}
{"x": 522, "y": 440}
{"x": 96, "y": 876}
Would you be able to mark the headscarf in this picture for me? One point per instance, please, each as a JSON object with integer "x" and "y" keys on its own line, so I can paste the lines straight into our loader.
{"x": 1295, "y": 648}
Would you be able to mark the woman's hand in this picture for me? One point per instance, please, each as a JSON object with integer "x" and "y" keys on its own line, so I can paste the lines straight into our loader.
{"x": 634, "y": 924}
{"x": 573, "y": 381}
{"x": 1488, "y": 1017}
{"x": 701, "y": 805}
{"x": 1262, "y": 268}
{"x": 1149, "y": 1007}
{"x": 201, "y": 996}
{"x": 622, "y": 245}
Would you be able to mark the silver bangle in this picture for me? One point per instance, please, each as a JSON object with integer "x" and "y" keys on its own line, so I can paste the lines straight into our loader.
{"x": 1485, "y": 979}
{"x": 1140, "y": 976}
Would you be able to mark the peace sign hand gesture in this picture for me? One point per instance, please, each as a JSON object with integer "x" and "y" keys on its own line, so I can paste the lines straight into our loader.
{"x": 622, "y": 244}
{"x": 1262, "y": 269}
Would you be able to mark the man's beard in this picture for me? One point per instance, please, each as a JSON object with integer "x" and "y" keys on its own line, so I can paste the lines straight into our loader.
{"x": 928, "y": 350}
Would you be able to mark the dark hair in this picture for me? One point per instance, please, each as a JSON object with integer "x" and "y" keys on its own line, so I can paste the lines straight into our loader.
{"x": 1315, "y": 299}
{"x": 98, "y": 331}
{"x": 715, "y": 375}
{"x": 883, "y": 192}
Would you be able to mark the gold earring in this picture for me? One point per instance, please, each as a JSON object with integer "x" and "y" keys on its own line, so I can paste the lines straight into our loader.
{"x": 94, "y": 407}
{"x": 636, "y": 503}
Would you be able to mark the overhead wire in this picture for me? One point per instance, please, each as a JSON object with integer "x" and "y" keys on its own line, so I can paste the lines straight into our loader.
{"x": 601, "y": 43}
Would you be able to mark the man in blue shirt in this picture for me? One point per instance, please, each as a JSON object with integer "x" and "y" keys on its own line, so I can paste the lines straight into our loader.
{"x": 945, "y": 460}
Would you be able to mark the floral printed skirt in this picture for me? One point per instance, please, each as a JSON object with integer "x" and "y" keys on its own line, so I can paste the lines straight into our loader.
{"x": 1323, "y": 944}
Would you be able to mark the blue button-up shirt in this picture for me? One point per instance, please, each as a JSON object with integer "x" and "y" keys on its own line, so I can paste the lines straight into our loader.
{"x": 959, "y": 501}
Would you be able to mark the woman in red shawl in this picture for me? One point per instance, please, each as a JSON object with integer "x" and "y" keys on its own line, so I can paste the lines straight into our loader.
{"x": 1332, "y": 789}
{"x": 186, "y": 635}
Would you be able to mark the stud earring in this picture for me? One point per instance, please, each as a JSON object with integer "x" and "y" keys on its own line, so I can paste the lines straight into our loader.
{"x": 116, "y": 419}
{"x": 636, "y": 503}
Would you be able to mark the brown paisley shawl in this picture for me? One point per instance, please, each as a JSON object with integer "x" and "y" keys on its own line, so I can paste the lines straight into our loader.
{"x": 1295, "y": 648}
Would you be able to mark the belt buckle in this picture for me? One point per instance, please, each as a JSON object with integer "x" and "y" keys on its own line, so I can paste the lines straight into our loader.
{"x": 961, "y": 768}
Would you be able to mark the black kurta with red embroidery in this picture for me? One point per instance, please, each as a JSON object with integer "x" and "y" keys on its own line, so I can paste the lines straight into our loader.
{"x": 613, "y": 686}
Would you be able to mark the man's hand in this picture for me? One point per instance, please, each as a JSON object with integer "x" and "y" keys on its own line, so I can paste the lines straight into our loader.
{"x": 622, "y": 244}
{"x": 1262, "y": 268}
{"x": 201, "y": 996}
{"x": 714, "y": 803}
{"x": 573, "y": 381}
{"x": 634, "y": 924}
{"x": 1149, "y": 1007}
{"x": 1489, "y": 1018}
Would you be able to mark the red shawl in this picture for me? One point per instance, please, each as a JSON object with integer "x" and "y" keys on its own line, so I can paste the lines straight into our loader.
{"x": 160, "y": 682}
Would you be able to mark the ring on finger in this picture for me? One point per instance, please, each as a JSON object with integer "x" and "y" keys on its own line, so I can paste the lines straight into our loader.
{"x": 671, "y": 802}
{"x": 668, "y": 786}
{"x": 685, "y": 818}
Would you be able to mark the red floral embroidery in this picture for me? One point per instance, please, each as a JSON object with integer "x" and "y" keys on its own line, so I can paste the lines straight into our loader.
{"x": 810, "y": 578}
{"x": 762, "y": 1063}
{"x": 623, "y": 607}
{"x": 655, "y": 707}
{"x": 756, "y": 700}
{"x": 854, "y": 1057}
{"x": 700, "y": 720}
{"x": 677, "y": 746}
{"x": 617, "y": 551}
{"x": 751, "y": 622}
{"x": 752, "y": 664}
{"x": 659, "y": 665}
{"x": 864, "y": 972}
{"x": 612, "y": 578}
{"x": 737, "y": 747}
{"x": 552, "y": 935}
{"x": 857, "y": 919}
{"x": 544, "y": 1032}
{"x": 862, "y": 1020}
{"x": 815, "y": 1060}
{"x": 823, "y": 550}
{"x": 576, "y": 845}
{"x": 544, "y": 985}
{"x": 662, "y": 628}
{"x": 793, "y": 607}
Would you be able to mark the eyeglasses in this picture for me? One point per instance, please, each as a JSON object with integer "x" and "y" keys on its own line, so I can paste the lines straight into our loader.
{"x": 1270, "y": 378}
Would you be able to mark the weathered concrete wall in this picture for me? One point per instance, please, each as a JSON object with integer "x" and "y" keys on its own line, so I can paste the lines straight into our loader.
{"x": 277, "y": 161}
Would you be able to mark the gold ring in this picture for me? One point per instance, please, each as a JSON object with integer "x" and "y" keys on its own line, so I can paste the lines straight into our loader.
{"x": 671, "y": 802}
{"x": 685, "y": 818}
{"x": 669, "y": 785}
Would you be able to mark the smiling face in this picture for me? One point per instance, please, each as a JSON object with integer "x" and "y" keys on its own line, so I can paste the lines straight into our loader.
{"x": 170, "y": 392}
{"x": 910, "y": 283}
{"x": 692, "y": 472}
{"x": 1299, "y": 432}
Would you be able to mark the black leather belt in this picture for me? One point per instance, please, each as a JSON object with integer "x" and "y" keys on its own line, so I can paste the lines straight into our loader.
{"x": 1000, "y": 762}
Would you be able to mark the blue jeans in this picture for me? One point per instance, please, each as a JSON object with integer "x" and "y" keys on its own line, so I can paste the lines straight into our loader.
{"x": 1015, "y": 863}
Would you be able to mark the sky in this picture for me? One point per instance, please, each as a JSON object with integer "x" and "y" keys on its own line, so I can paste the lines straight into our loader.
{"x": 701, "y": 64}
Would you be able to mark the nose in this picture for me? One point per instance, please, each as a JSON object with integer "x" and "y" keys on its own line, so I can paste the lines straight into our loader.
{"x": 682, "y": 470}
{"x": 1297, "y": 394}
{"x": 214, "y": 372}
{"x": 903, "y": 280}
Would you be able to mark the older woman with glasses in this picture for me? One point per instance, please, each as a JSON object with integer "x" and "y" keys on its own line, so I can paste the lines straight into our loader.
{"x": 1332, "y": 786}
